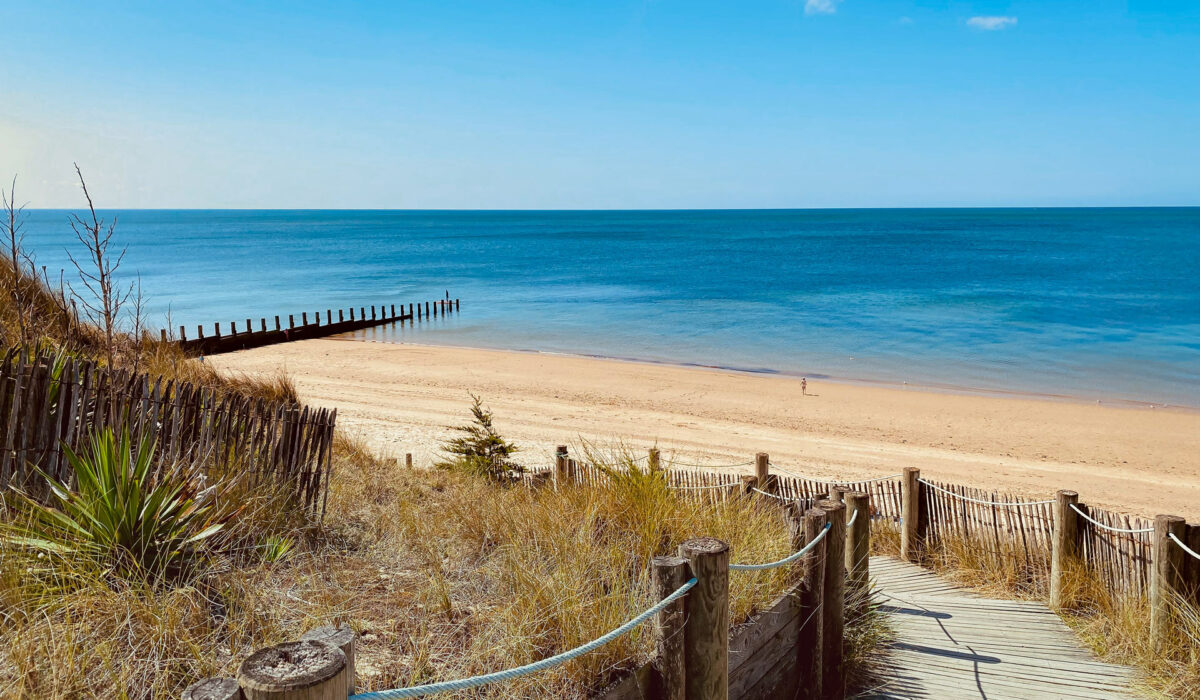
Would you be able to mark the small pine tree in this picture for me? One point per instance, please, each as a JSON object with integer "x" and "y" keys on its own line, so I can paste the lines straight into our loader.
{"x": 481, "y": 449}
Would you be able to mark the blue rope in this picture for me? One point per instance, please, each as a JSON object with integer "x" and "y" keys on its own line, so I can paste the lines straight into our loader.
{"x": 785, "y": 560}
{"x": 465, "y": 683}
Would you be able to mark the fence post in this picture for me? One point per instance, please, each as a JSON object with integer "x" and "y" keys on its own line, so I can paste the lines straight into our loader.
{"x": 329, "y": 317}
{"x": 669, "y": 574}
{"x": 249, "y": 326}
{"x": 653, "y": 459}
{"x": 910, "y": 514}
{"x": 217, "y": 329}
{"x": 264, "y": 324}
{"x": 560, "y": 466}
{"x": 762, "y": 472}
{"x": 393, "y": 306}
{"x": 1065, "y": 546}
{"x": 858, "y": 540}
{"x": 408, "y": 460}
{"x": 341, "y": 636}
{"x": 200, "y": 332}
{"x": 213, "y": 689}
{"x": 291, "y": 321}
{"x": 304, "y": 670}
{"x": 833, "y": 606}
{"x": 456, "y": 304}
{"x": 706, "y": 631}
{"x": 182, "y": 334}
{"x": 1165, "y": 575}
{"x": 812, "y": 592}
{"x": 410, "y": 311}
{"x": 277, "y": 326}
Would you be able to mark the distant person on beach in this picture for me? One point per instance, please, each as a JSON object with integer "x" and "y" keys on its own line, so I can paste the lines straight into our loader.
{"x": 804, "y": 386}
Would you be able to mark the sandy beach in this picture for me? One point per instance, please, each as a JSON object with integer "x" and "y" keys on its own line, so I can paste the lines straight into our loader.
{"x": 400, "y": 398}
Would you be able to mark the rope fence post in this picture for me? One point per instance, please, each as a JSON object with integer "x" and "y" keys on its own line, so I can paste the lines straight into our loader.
{"x": 858, "y": 539}
{"x": 1165, "y": 575}
{"x": 303, "y": 670}
{"x": 653, "y": 460}
{"x": 408, "y": 464}
{"x": 1065, "y": 546}
{"x": 669, "y": 573}
{"x": 560, "y": 466}
{"x": 706, "y": 630}
{"x": 833, "y": 604}
{"x": 341, "y": 636}
{"x": 910, "y": 515}
{"x": 213, "y": 689}
{"x": 812, "y": 594}
{"x": 762, "y": 473}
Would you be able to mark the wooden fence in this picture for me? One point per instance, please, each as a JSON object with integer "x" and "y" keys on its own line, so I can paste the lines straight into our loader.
{"x": 48, "y": 401}
{"x": 346, "y": 322}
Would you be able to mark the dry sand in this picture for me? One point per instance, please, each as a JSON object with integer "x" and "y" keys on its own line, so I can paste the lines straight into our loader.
{"x": 401, "y": 398}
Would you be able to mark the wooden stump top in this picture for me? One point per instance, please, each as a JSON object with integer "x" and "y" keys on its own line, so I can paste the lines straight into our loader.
{"x": 291, "y": 665}
{"x": 213, "y": 689}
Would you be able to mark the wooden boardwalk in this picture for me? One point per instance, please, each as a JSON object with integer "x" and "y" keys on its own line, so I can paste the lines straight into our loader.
{"x": 951, "y": 643}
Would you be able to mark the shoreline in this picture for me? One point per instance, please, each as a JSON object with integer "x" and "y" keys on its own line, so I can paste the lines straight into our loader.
{"x": 930, "y": 387}
{"x": 400, "y": 398}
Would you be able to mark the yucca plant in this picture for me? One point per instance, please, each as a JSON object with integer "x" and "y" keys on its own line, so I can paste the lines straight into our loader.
{"x": 121, "y": 516}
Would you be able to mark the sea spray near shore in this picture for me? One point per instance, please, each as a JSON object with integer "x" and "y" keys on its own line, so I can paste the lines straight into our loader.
{"x": 1098, "y": 303}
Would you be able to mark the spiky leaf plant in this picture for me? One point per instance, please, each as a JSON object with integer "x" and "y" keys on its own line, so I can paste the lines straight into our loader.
{"x": 121, "y": 516}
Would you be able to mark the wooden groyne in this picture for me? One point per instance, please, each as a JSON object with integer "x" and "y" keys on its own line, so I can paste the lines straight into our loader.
{"x": 348, "y": 320}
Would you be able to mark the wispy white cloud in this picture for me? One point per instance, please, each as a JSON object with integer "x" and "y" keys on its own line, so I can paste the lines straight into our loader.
{"x": 991, "y": 23}
{"x": 821, "y": 7}
{"x": 906, "y": 20}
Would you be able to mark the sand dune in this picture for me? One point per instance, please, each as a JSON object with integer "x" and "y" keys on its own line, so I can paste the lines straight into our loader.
{"x": 402, "y": 397}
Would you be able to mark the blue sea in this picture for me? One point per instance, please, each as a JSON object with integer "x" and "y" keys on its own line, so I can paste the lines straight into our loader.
{"x": 1089, "y": 303}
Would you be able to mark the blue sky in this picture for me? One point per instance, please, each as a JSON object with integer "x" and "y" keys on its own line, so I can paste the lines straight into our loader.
{"x": 663, "y": 104}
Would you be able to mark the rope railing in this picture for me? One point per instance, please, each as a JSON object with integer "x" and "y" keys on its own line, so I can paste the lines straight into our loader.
{"x": 1013, "y": 504}
{"x": 700, "y": 488}
{"x": 1110, "y": 528}
{"x": 786, "y": 560}
{"x": 843, "y": 482}
{"x": 709, "y": 466}
{"x": 852, "y": 518}
{"x": 476, "y": 681}
{"x": 1183, "y": 546}
{"x": 772, "y": 495}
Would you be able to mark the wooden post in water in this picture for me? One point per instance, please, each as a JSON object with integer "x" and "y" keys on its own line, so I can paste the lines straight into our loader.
{"x": 213, "y": 689}
{"x": 456, "y": 304}
{"x": 653, "y": 460}
{"x": 329, "y": 317}
{"x": 408, "y": 460}
{"x": 393, "y": 310}
{"x": 341, "y": 636}
{"x": 291, "y": 321}
{"x": 812, "y": 595}
{"x": 858, "y": 539}
{"x": 706, "y": 631}
{"x": 669, "y": 573}
{"x": 264, "y": 324}
{"x": 910, "y": 514}
{"x": 200, "y": 332}
{"x": 833, "y": 608}
{"x": 182, "y": 334}
{"x": 560, "y": 465}
{"x": 163, "y": 333}
{"x": 410, "y": 311}
{"x": 277, "y": 325}
{"x": 1064, "y": 550}
{"x": 316, "y": 318}
{"x": 362, "y": 313}
{"x": 352, "y": 314}
{"x": 303, "y": 318}
{"x": 341, "y": 316}
{"x": 426, "y": 309}
{"x": 217, "y": 329}
{"x": 303, "y": 670}
{"x": 1166, "y": 576}
{"x": 249, "y": 326}
{"x": 372, "y": 312}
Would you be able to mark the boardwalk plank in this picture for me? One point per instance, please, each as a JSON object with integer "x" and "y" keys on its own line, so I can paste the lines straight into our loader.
{"x": 952, "y": 643}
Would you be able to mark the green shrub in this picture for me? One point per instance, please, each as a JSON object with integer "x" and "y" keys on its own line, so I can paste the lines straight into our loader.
{"x": 123, "y": 516}
{"x": 481, "y": 450}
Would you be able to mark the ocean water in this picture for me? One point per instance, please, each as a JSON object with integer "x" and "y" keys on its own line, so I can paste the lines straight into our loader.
{"x": 1090, "y": 303}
